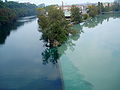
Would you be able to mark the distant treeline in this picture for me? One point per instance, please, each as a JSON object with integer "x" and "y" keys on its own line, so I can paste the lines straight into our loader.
{"x": 10, "y": 11}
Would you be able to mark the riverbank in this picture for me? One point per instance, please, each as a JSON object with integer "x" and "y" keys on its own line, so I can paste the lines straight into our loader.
{"x": 10, "y": 11}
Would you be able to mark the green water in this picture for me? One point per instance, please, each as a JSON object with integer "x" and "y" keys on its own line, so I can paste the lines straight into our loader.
{"x": 91, "y": 59}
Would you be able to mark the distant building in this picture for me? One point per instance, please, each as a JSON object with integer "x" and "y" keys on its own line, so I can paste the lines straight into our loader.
{"x": 68, "y": 7}
{"x": 107, "y": 4}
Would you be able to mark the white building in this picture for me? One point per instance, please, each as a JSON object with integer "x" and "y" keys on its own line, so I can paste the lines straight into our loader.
{"x": 68, "y": 7}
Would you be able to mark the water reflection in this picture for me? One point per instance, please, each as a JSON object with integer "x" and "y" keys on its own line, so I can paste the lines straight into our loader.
{"x": 21, "y": 65}
{"x": 52, "y": 54}
{"x": 73, "y": 78}
{"x": 93, "y": 22}
{"x": 5, "y": 30}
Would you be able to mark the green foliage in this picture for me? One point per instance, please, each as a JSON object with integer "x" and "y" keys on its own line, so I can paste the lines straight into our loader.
{"x": 100, "y": 7}
{"x": 2, "y": 4}
{"x": 22, "y": 9}
{"x": 9, "y": 11}
{"x": 48, "y": 8}
{"x": 108, "y": 8}
{"x": 7, "y": 15}
{"x": 76, "y": 14}
{"x": 85, "y": 16}
{"x": 93, "y": 10}
{"x": 50, "y": 55}
{"x": 54, "y": 26}
{"x": 40, "y": 11}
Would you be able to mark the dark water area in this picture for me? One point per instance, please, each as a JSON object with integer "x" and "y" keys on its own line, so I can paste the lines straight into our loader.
{"x": 21, "y": 61}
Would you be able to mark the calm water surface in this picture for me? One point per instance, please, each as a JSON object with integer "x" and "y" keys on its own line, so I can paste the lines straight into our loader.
{"x": 91, "y": 60}
{"x": 21, "y": 64}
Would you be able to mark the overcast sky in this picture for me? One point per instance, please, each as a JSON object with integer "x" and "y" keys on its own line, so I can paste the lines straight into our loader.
{"x": 48, "y": 2}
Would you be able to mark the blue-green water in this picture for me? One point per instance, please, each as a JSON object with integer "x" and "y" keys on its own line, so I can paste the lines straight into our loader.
{"x": 21, "y": 63}
{"x": 91, "y": 60}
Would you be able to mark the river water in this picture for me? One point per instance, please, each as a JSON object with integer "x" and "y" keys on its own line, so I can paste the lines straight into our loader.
{"x": 21, "y": 63}
{"x": 89, "y": 60}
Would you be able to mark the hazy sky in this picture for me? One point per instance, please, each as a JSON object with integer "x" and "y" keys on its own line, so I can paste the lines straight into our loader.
{"x": 48, "y": 2}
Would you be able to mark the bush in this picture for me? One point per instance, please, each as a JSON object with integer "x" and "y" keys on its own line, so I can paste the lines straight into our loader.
{"x": 85, "y": 16}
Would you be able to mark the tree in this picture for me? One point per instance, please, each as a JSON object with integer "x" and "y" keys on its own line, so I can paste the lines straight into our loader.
{"x": 100, "y": 7}
{"x": 10, "y": 11}
{"x": 92, "y": 10}
{"x": 76, "y": 14}
{"x": 22, "y": 9}
{"x": 54, "y": 27}
{"x": 2, "y": 4}
{"x": 7, "y": 16}
{"x": 116, "y": 6}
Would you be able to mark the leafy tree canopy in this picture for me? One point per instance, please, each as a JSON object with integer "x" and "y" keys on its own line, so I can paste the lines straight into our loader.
{"x": 54, "y": 26}
{"x": 76, "y": 14}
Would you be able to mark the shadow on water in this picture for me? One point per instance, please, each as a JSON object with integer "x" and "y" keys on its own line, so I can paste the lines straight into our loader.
{"x": 5, "y": 30}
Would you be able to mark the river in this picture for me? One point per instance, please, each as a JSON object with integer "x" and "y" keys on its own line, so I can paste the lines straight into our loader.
{"x": 89, "y": 60}
{"x": 21, "y": 63}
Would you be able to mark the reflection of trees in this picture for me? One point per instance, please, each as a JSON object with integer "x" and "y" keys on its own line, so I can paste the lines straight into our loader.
{"x": 52, "y": 54}
{"x": 91, "y": 23}
{"x": 68, "y": 68}
{"x": 5, "y": 30}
